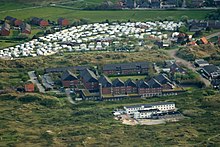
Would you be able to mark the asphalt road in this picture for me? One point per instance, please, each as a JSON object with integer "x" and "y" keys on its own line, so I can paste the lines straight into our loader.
{"x": 34, "y": 80}
{"x": 187, "y": 64}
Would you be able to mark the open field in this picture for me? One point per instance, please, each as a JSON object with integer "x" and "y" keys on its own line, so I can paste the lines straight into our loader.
{"x": 37, "y": 123}
{"x": 97, "y": 16}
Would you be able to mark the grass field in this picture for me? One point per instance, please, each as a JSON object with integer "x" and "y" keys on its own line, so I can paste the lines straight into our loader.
{"x": 38, "y": 123}
{"x": 97, "y": 16}
{"x": 124, "y": 78}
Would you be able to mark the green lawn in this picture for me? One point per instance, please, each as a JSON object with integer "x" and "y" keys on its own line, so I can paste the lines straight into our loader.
{"x": 124, "y": 78}
{"x": 7, "y": 6}
{"x": 97, "y": 16}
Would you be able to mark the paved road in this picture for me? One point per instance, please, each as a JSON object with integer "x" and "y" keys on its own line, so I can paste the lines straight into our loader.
{"x": 189, "y": 65}
{"x": 213, "y": 35}
{"x": 20, "y": 9}
{"x": 34, "y": 80}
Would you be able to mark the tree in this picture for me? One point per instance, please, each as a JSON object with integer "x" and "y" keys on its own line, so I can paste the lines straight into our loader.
{"x": 184, "y": 18}
{"x": 183, "y": 29}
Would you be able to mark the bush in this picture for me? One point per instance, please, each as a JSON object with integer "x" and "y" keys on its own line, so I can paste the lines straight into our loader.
{"x": 29, "y": 98}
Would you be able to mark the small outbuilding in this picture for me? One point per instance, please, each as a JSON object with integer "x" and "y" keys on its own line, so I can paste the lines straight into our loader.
{"x": 5, "y": 30}
{"x": 63, "y": 22}
{"x": 26, "y": 28}
{"x": 39, "y": 21}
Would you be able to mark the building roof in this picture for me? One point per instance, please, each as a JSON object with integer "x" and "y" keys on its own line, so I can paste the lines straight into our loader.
{"x": 150, "y": 105}
{"x": 6, "y": 26}
{"x": 201, "y": 61}
{"x": 36, "y": 20}
{"x": 162, "y": 79}
{"x": 26, "y": 27}
{"x": 131, "y": 83}
{"x": 9, "y": 18}
{"x": 204, "y": 40}
{"x": 154, "y": 83}
{"x": 62, "y": 69}
{"x": 68, "y": 76}
{"x": 118, "y": 83}
{"x": 176, "y": 68}
{"x": 151, "y": 110}
{"x": 88, "y": 75}
{"x": 105, "y": 81}
{"x": 211, "y": 68}
{"x": 123, "y": 66}
{"x": 142, "y": 84}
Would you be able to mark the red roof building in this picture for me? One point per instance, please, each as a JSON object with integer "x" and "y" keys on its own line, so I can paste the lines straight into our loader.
{"x": 204, "y": 40}
{"x": 26, "y": 28}
{"x": 5, "y": 30}
{"x": 29, "y": 87}
{"x": 39, "y": 22}
{"x": 63, "y": 22}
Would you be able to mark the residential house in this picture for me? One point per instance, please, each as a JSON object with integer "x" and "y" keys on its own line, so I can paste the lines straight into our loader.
{"x": 106, "y": 85}
{"x": 69, "y": 79}
{"x": 217, "y": 2}
{"x": 63, "y": 22}
{"x": 26, "y": 28}
{"x": 89, "y": 80}
{"x": 204, "y": 40}
{"x": 170, "y": 66}
{"x": 198, "y": 25}
{"x": 13, "y": 21}
{"x": 39, "y": 21}
{"x": 126, "y": 68}
{"x": 196, "y": 3}
{"x": 155, "y": 88}
{"x": 211, "y": 71}
{"x": 175, "y": 68}
{"x": 29, "y": 87}
{"x": 5, "y": 30}
{"x": 201, "y": 63}
{"x": 143, "y": 88}
{"x": 131, "y": 86}
{"x": 164, "y": 81}
{"x": 118, "y": 87}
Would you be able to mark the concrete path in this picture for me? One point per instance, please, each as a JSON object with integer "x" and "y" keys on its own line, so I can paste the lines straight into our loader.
{"x": 69, "y": 98}
{"x": 34, "y": 80}
{"x": 27, "y": 8}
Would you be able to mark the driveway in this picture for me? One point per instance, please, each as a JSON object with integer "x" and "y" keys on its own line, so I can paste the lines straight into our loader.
{"x": 187, "y": 64}
{"x": 69, "y": 98}
{"x": 34, "y": 80}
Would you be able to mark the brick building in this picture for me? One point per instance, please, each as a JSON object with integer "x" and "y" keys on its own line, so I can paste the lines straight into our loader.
{"x": 13, "y": 21}
{"x": 106, "y": 85}
{"x": 63, "y": 22}
{"x": 5, "y": 30}
{"x": 69, "y": 79}
{"x": 26, "y": 28}
{"x": 39, "y": 21}
{"x": 131, "y": 86}
{"x": 118, "y": 87}
{"x": 126, "y": 68}
{"x": 89, "y": 80}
